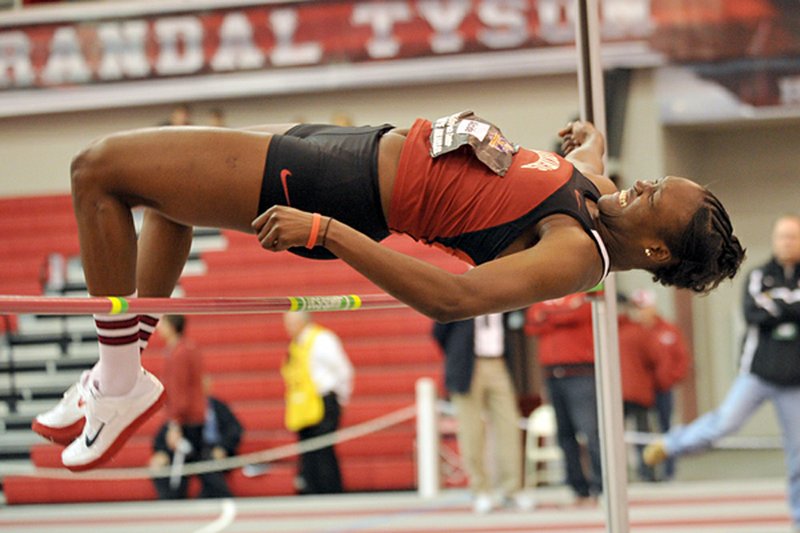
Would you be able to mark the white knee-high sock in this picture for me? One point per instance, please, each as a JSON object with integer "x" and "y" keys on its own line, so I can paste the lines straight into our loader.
{"x": 118, "y": 368}
{"x": 147, "y": 325}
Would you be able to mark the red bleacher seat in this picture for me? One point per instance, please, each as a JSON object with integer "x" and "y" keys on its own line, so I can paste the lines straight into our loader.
{"x": 40, "y": 205}
{"x": 279, "y": 480}
{"x": 382, "y": 326}
{"x": 8, "y": 323}
{"x": 31, "y": 228}
{"x": 235, "y": 388}
{"x": 386, "y": 352}
{"x": 386, "y": 473}
{"x": 30, "y": 489}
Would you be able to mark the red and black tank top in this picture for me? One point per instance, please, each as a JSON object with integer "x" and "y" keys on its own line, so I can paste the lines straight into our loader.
{"x": 456, "y": 202}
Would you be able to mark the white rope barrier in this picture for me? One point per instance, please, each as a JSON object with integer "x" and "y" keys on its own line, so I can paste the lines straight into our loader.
{"x": 352, "y": 432}
{"x": 265, "y": 456}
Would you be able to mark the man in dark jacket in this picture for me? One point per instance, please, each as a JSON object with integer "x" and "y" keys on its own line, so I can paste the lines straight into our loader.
{"x": 478, "y": 380}
{"x": 222, "y": 434}
{"x": 770, "y": 365}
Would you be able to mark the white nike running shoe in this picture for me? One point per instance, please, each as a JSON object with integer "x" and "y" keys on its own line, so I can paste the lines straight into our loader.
{"x": 63, "y": 423}
{"x": 111, "y": 420}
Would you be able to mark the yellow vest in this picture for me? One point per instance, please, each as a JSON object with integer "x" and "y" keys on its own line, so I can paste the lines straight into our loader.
{"x": 304, "y": 405}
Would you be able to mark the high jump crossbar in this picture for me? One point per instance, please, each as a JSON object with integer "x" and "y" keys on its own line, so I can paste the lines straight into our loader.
{"x": 197, "y": 306}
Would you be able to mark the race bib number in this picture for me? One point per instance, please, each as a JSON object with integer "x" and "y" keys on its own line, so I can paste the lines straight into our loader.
{"x": 484, "y": 138}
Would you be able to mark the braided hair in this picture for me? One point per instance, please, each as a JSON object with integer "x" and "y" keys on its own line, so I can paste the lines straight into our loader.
{"x": 707, "y": 251}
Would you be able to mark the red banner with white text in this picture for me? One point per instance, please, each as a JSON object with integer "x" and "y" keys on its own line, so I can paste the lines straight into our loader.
{"x": 762, "y": 35}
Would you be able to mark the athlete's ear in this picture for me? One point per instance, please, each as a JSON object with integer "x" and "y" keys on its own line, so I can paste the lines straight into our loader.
{"x": 657, "y": 252}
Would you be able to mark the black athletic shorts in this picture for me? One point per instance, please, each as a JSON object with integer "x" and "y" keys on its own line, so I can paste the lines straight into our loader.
{"x": 330, "y": 170}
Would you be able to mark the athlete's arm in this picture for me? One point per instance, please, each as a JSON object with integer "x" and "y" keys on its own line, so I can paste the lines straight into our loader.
{"x": 565, "y": 260}
{"x": 584, "y": 147}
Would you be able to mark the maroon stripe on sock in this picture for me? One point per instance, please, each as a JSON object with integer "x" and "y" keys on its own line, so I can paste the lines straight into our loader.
{"x": 117, "y": 324}
{"x": 148, "y": 320}
{"x": 145, "y": 335}
{"x": 118, "y": 341}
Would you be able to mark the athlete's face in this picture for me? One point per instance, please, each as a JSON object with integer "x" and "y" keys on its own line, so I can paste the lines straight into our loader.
{"x": 662, "y": 205}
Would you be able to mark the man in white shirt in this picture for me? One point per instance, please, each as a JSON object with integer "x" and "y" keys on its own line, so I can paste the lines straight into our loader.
{"x": 319, "y": 380}
{"x": 480, "y": 387}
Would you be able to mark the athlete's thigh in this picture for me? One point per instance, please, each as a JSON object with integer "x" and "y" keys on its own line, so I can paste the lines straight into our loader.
{"x": 195, "y": 176}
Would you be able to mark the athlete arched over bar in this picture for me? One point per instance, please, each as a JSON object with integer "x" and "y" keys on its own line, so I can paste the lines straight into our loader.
{"x": 537, "y": 226}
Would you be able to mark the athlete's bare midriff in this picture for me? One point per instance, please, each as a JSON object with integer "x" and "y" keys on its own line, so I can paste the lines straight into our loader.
{"x": 389, "y": 149}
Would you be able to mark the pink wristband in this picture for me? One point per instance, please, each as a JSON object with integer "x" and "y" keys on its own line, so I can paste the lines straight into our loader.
{"x": 312, "y": 237}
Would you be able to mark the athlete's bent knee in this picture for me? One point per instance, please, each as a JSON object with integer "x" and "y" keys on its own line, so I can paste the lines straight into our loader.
{"x": 89, "y": 167}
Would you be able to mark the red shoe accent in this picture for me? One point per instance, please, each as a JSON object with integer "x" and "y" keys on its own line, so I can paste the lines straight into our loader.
{"x": 62, "y": 436}
{"x": 123, "y": 437}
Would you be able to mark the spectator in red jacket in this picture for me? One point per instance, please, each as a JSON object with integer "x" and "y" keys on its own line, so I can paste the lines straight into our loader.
{"x": 566, "y": 353}
{"x": 186, "y": 408}
{"x": 183, "y": 374}
{"x": 672, "y": 347}
{"x": 644, "y": 370}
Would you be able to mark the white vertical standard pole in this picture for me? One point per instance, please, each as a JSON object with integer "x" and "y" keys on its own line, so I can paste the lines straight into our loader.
{"x": 427, "y": 439}
{"x": 604, "y": 312}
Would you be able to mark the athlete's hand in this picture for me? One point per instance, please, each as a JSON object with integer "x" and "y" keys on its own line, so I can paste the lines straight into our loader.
{"x": 280, "y": 228}
{"x": 575, "y": 134}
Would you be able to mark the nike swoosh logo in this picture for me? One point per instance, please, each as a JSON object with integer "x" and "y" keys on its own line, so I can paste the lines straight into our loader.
{"x": 285, "y": 173}
{"x": 89, "y": 441}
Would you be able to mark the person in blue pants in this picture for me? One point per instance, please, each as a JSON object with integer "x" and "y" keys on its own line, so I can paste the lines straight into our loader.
{"x": 770, "y": 364}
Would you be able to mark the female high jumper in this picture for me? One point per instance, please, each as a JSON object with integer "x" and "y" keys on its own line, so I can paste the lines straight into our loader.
{"x": 535, "y": 225}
